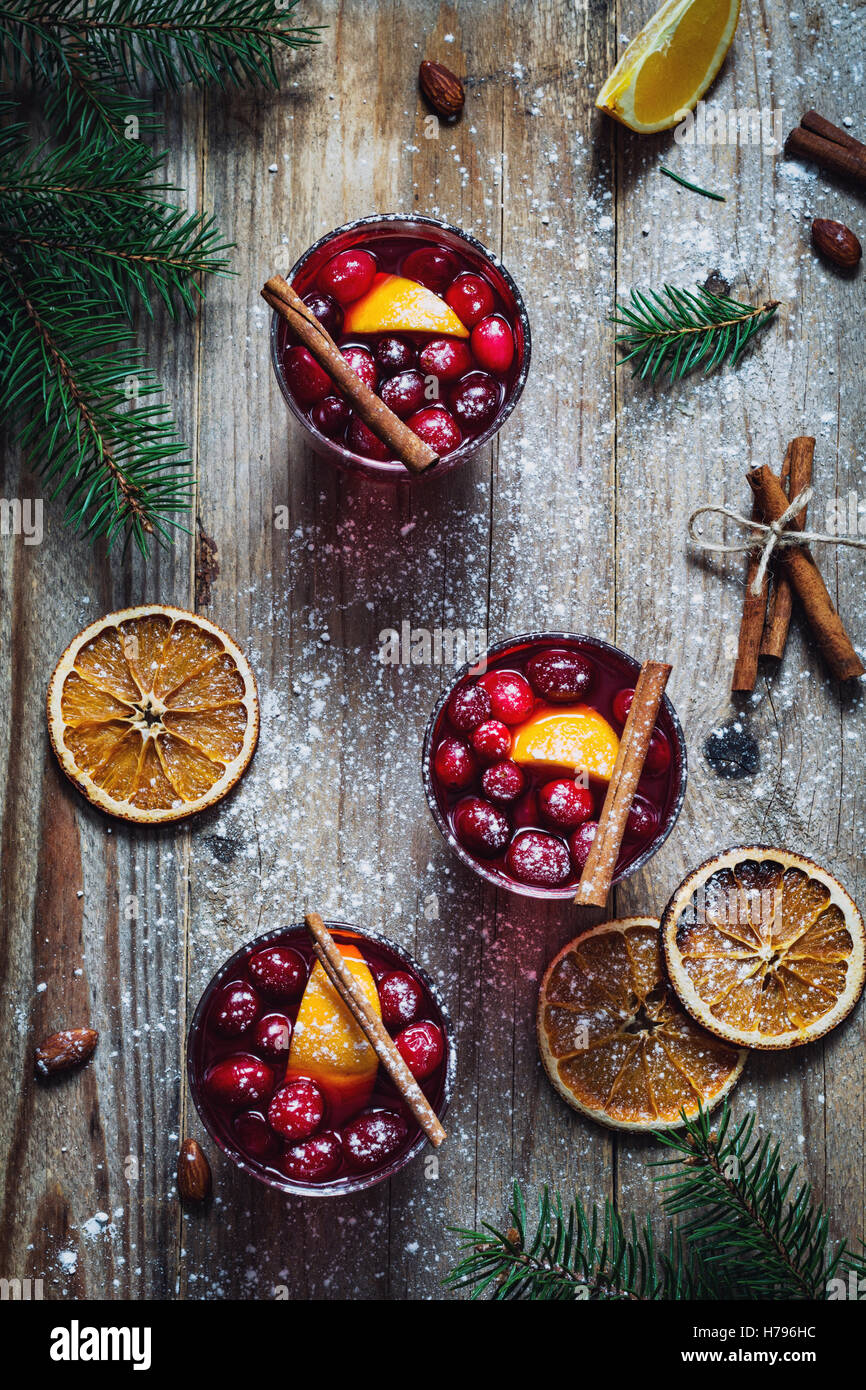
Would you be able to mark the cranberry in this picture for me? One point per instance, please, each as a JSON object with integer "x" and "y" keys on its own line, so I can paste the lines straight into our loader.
{"x": 372, "y": 1138}
{"x": 565, "y": 804}
{"x": 468, "y": 707}
{"x": 471, "y": 298}
{"x": 235, "y": 1008}
{"x": 364, "y": 442}
{"x": 503, "y": 781}
{"x": 273, "y": 1035}
{"x": 315, "y": 1159}
{"x": 421, "y": 1048}
{"x": 331, "y": 416}
{"x": 240, "y": 1080}
{"x": 454, "y": 764}
{"x": 622, "y": 704}
{"x": 308, "y": 381}
{"x": 253, "y": 1134}
{"x": 560, "y": 676}
{"x": 480, "y": 827}
{"x": 475, "y": 400}
{"x": 510, "y": 695}
{"x": 493, "y": 344}
{"x": 394, "y": 355}
{"x": 445, "y": 358}
{"x": 347, "y": 275}
{"x": 362, "y": 364}
{"x": 525, "y": 812}
{"x": 327, "y": 311}
{"x": 430, "y": 266}
{"x": 491, "y": 740}
{"x": 437, "y": 428}
{"x": 296, "y": 1110}
{"x": 538, "y": 858}
{"x": 642, "y": 819}
{"x": 404, "y": 393}
{"x": 400, "y": 996}
{"x": 580, "y": 842}
{"x": 658, "y": 755}
{"x": 279, "y": 970}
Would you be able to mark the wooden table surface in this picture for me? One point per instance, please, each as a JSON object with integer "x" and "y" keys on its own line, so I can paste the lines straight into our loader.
{"x": 574, "y": 519}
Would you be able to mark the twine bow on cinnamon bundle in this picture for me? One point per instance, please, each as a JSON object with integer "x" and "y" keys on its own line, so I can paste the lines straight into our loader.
{"x": 777, "y": 535}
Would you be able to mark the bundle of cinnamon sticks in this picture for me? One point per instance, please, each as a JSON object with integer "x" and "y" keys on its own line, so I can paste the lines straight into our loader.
{"x": 832, "y": 148}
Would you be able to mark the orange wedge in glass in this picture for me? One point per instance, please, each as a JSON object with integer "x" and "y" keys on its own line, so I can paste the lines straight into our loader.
{"x": 764, "y": 947}
{"x": 615, "y": 1040}
{"x": 328, "y": 1047}
{"x": 153, "y": 713}
{"x": 575, "y": 736}
{"x": 394, "y": 304}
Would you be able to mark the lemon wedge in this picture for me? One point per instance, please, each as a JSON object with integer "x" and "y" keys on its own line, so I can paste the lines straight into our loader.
{"x": 394, "y": 304}
{"x": 328, "y": 1046}
{"x": 577, "y": 737}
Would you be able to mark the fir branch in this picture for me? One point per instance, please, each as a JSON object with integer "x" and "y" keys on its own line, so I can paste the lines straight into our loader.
{"x": 685, "y": 329}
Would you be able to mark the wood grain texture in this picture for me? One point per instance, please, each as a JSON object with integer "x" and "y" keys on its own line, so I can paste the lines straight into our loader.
{"x": 575, "y": 519}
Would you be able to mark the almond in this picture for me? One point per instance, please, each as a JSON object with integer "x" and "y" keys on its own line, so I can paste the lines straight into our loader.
{"x": 193, "y": 1172}
{"x": 71, "y": 1047}
{"x": 442, "y": 89}
{"x": 836, "y": 242}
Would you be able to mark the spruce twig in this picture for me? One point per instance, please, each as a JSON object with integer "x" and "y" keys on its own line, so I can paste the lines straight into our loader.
{"x": 685, "y": 329}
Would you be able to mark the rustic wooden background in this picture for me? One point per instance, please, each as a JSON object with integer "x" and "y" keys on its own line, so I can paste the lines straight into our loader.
{"x": 575, "y": 518}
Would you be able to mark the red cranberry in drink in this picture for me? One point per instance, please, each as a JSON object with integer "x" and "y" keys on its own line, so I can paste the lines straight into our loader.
{"x": 240, "y": 1080}
{"x": 480, "y": 827}
{"x": 315, "y": 1159}
{"x": 454, "y": 764}
{"x": 273, "y": 1036}
{"x": 658, "y": 755}
{"x": 525, "y": 812}
{"x": 471, "y": 298}
{"x": 468, "y": 707}
{"x": 327, "y": 311}
{"x": 445, "y": 358}
{"x": 235, "y": 1009}
{"x": 475, "y": 400}
{"x": 621, "y": 705}
{"x": 400, "y": 997}
{"x": 347, "y": 275}
{"x": 421, "y": 1048}
{"x": 491, "y": 740}
{"x": 503, "y": 781}
{"x": 254, "y": 1134}
{"x": 493, "y": 344}
{"x": 437, "y": 428}
{"x": 296, "y": 1110}
{"x": 331, "y": 416}
{"x": 430, "y": 266}
{"x": 372, "y": 1138}
{"x": 364, "y": 442}
{"x": 279, "y": 971}
{"x": 642, "y": 820}
{"x": 309, "y": 382}
{"x": 404, "y": 393}
{"x": 394, "y": 355}
{"x": 565, "y": 804}
{"x": 560, "y": 676}
{"x": 510, "y": 695}
{"x": 580, "y": 842}
{"x": 362, "y": 364}
{"x": 539, "y": 859}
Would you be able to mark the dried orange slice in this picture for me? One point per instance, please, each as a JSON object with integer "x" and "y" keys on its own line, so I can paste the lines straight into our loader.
{"x": 615, "y": 1040}
{"x": 577, "y": 737}
{"x": 764, "y": 947}
{"x": 153, "y": 713}
{"x": 394, "y": 304}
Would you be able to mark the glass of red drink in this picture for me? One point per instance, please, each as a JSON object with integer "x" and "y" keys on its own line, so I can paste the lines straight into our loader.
{"x": 454, "y": 380}
{"x": 518, "y": 754}
{"x": 286, "y": 1084}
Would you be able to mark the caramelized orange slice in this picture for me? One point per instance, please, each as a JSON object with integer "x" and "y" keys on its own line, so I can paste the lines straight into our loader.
{"x": 153, "y": 713}
{"x": 394, "y": 304}
{"x": 327, "y": 1044}
{"x": 576, "y": 737}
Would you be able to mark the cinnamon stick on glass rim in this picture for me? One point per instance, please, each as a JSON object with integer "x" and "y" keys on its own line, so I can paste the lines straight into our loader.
{"x": 330, "y": 957}
{"x": 600, "y": 866}
{"x": 795, "y": 476}
{"x": 412, "y": 451}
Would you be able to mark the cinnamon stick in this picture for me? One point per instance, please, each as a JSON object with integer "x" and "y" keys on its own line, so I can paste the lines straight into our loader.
{"x": 751, "y": 623}
{"x": 412, "y": 451}
{"x": 331, "y": 959}
{"x": 806, "y": 581}
{"x": 795, "y": 476}
{"x": 819, "y": 125}
{"x": 817, "y": 140}
{"x": 600, "y": 866}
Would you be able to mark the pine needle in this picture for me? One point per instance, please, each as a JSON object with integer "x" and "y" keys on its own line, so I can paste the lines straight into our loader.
{"x": 692, "y": 187}
{"x": 684, "y": 329}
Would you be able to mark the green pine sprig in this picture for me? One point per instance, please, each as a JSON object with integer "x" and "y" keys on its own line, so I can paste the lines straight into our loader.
{"x": 683, "y": 329}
